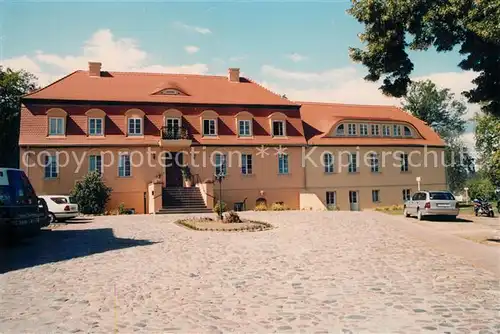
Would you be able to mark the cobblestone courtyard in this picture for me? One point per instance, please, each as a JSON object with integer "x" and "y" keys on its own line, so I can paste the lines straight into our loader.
{"x": 336, "y": 272}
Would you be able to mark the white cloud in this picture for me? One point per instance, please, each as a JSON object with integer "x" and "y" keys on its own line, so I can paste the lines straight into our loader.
{"x": 296, "y": 57}
{"x": 191, "y": 49}
{"x": 325, "y": 76}
{"x": 200, "y": 30}
{"x": 116, "y": 54}
{"x": 238, "y": 58}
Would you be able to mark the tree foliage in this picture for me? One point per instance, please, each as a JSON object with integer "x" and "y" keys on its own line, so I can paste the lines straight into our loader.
{"x": 13, "y": 85}
{"x": 481, "y": 187}
{"x": 438, "y": 108}
{"x": 91, "y": 194}
{"x": 394, "y": 26}
{"x": 487, "y": 135}
{"x": 444, "y": 114}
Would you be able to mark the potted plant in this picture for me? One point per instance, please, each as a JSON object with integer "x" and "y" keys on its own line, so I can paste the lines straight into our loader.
{"x": 186, "y": 175}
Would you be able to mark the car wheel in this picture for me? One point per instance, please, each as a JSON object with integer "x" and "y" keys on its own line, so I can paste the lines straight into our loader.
{"x": 419, "y": 215}
{"x": 405, "y": 213}
{"x": 52, "y": 218}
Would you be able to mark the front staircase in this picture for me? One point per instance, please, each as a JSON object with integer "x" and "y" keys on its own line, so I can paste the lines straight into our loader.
{"x": 183, "y": 200}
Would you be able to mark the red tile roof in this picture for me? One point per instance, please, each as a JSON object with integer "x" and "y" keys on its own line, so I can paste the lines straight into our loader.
{"x": 320, "y": 119}
{"x": 141, "y": 87}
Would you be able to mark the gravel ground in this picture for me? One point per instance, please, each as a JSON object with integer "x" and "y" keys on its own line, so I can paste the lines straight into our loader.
{"x": 339, "y": 272}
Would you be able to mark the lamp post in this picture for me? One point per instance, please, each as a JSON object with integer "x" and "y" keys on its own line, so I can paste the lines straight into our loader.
{"x": 466, "y": 195}
{"x": 219, "y": 177}
{"x": 418, "y": 178}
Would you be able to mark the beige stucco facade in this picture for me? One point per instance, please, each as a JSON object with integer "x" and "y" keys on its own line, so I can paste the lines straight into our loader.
{"x": 303, "y": 187}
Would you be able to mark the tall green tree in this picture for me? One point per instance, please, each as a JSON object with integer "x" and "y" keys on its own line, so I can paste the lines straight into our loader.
{"x": 392, "y": 27}
{"x": 444, "y": 114}
{"x": 13, "y": 84}
{"x": 487, "y": 135}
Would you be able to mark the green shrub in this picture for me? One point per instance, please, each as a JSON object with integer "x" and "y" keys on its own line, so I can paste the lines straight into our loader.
{"x": 260, "y": 207}
{"x": 232, "y": 218}
{"x": 216, "y": 207}
{"x": 91, "y": 194}
{"x": 332, "y": 207}
{"x": 121, "y": 209}
{"x": 278, "y": 206}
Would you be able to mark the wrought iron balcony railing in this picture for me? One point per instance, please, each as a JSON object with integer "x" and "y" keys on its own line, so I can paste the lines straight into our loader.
{"x": 174, "y": 133}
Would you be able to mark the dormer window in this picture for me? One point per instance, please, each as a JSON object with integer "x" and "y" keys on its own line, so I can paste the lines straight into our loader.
{"x": 351, "y": 129}
{"x": 278, "y": 128}
{"x": 245, "y": 128}
{"x": 407, "y": 131}
{"x": 169, "y": 91}
{"x": 363, "y": 129}
{"x": 209, "y": 127}
{"x": 386, "y": 130}
{"x": 135, "y": 126}
{"x": 396, "y": 130}
{"x": 340, "y": 130}
{"x": 56, "y": 126}
{"x": 96, "y": 126}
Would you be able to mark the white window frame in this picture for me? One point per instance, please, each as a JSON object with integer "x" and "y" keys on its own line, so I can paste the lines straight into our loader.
{"x": 351, "y": 129}
{"x": 386, "y": 131}
{"x": 283, "y": 128}
{"x": 374, "y": 163}
{"x": 408, "y": 133}
{"x": 406, "y": 194}
{"x": 122, "y": 166}
{"x": 405, "y": 165}
{"x": 353, "y": 162}
{"x": 283, "y": 164}
{"x": 95, "y": 133}
{"x": 248, "y": 127}
{"x": 329, "y": 196}
{"x": 340, "y": 130}
{"x": 90, "y": 163}
{"x": 376, "y": 195}
{"x": 209, "y": 133}
{"x": 60, "y": 129}
{"x": 375, "y": 128}
{"x": 141, "y": 126}
{"x": 220, "y": 164}
{"x": 52, "y": 166}
{"x": 396, "y": 130}
{"x": 363, "y": 129}
{"x": 246, "y": 164}
{"x": 328, "y": 163}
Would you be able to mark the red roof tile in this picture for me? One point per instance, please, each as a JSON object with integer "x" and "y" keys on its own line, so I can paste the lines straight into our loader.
{"x": 141, "y": 87}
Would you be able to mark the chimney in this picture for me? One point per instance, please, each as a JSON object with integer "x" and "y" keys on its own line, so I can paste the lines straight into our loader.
{"x": 94, "y": 69}
{"x": 234, "y": 74}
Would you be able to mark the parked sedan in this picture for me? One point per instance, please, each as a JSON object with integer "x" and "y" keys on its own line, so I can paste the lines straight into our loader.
{"x": 60, "y": 207}
{"x": 431, "y": 203}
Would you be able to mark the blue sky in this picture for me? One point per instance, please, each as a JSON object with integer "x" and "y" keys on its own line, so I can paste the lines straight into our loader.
{"x": 295, "y": 48}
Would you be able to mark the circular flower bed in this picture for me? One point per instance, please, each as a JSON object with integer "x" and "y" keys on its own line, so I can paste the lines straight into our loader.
{"x": 231, "y": 222}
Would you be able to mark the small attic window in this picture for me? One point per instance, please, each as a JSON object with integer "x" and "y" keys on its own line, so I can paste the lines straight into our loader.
{"x": 169, "y": 91}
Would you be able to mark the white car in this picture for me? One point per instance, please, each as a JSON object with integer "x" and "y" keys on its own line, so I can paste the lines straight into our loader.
{"x": 432, "y": 203}
{"x": 60, "y": 207}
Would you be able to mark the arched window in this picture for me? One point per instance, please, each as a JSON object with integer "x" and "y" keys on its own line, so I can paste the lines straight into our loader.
{"x": 340, "y": 130}
{"x": 135, "y": 122}
{"x": 407, "y": 131}
{"x": 56, "y": 122}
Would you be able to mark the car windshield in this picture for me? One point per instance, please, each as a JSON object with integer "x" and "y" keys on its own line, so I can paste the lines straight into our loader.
{"x": 441, "y": 196}
{"x": 18, "y": 191}
{"x": 59, "y": 200}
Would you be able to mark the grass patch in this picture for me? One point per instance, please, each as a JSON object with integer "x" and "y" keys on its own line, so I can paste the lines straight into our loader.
{"x": 208, "y": 224}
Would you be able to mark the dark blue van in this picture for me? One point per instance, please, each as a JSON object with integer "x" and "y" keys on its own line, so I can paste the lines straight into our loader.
{"x": 22, "y": 213}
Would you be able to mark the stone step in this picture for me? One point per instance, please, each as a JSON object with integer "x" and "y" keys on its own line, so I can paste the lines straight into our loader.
{"x": 178, "y": 210}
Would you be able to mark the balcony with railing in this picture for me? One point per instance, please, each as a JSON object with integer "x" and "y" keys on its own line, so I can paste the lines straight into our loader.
{"x": 174, "y": 136}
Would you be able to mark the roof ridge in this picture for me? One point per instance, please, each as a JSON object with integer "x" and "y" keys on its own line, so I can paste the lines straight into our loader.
{"x": 164, "y": 74}
{"x": 347, "y": 104}
{"x": 270, "y": 91}
{"x": 51, "y": 84}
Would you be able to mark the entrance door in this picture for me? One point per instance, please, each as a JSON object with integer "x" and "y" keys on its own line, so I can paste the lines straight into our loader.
{"x": 173, "y": 170}
{"x": 354, "y": 200}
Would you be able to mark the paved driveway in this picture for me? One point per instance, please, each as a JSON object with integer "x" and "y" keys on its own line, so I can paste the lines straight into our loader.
{"x": 316, "y": 272}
